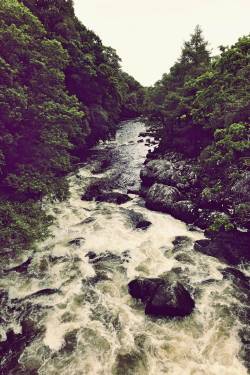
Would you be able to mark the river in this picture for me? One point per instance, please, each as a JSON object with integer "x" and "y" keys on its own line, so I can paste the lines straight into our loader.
{"x": 88, "y": 322}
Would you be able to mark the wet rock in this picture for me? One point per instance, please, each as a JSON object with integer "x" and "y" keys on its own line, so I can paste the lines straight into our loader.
{"x": 162, "y": 297}
{"x": 193, "y": 228}
{"x": 101, "y": 165}
{"x": 184, "y": 258}
{"x": 133, "y": 191}
{"x": 96, "y": 187}
{"x": 107, "y": 263}
{"x": 238, "y": 278}
{"x": 185, "y": 210}
{"x": 91, "y": 255}
{"x": 168, "y": 172}
{"x": 20, "y": 268}
{"x": 88, "y": 220}
{"x": 14, "y": 345}
{"x": 43, "y": 292}
{"x": 231, "y": 247}
{"x": 113, "y": 197}
{"x": 143, "y": 224}
{"x": 181, "y": 243}
{"x": 159, "y": 171}
{"x": 76, "y": 241}
{"x": 162, "y": 198}
{"x": 70, "y": 342}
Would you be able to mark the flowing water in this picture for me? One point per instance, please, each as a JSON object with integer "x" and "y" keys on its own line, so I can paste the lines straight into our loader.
{"x": 88, "y": 323}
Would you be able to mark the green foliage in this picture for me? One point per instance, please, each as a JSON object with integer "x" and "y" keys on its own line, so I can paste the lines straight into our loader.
{"x": 60, "y": 91}
{"x": 170, "y": 100}
{"x": 203, "y": 106}
{"x": 93, "y": 71}
{"x": 221, "y": 222}
{"x": 22, "y": 223}
{"x": 242, "y": 214}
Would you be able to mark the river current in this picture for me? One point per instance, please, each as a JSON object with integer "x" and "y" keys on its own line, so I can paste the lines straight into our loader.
{"x": 88, "y": 322}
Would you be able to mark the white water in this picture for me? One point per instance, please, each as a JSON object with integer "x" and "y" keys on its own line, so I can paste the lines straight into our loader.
{"x": 111, "y": 334}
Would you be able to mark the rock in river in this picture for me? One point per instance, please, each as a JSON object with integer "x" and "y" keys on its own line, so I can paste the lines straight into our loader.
{"x": 162, "y": 198}
{"x": 162, "y": 297}
{"x": 231, "y": 247}
{"x": 113, "y": 197}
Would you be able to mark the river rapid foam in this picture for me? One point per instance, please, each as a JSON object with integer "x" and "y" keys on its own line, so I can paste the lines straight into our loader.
{"x": 88, "y": 323}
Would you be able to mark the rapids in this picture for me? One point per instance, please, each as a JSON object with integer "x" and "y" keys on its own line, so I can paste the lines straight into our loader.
{"x": 87, "y": 322}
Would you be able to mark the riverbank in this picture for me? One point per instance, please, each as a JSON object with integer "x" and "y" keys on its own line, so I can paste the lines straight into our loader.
{"x": 171, "y": 184}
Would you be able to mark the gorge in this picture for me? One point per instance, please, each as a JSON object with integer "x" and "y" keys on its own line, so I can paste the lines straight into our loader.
{"x": 72, "y": 294}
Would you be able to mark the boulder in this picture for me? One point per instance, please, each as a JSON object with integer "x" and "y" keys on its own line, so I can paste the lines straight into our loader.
{"x": 162, "y": 297}
{"x": 185, "y": 210}
{"x": 113, "y": 197}
{"x": 157, "y": 171}
{"x": 239, "y": 278}
{"x": 20, "y": 268}
{"x": 143, "y": 224}
{"x": 231, "y": 247}
{"x": 76, "y": 241}
{"x": 133, "y": 191}
{"x": 241, "y": 189}
{"x": 168, "y": 172}
{"x": 162, "y": 198}
{"x": 96, "y": 186}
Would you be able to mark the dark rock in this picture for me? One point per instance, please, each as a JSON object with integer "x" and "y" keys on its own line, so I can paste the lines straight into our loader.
{"x": 181, "y": 243}
{"x": 162, "y": 297}
{"x": 43, "y": 292}
{"x": 238, "y": 277}
{"x": 133, "y": 191}
{"x": 168, "y": 172}
{"x": 14, "y": 345}
{"x": 144, "y": 224}
{"x": 88, "y": 220}
{"x": 113, "y": 197}
{"x": 144, "y": 289}
{"x": 162, "y": 198}
{"x": 91, "y": 255}
{"x": 70, "y": 342}
{"x": 159, "y": 171}
{"x": 170, "y": 301}
{"x": 21, "y": 268}
{"x": 231, "y": 247}
{"x": 135, "y": 218}
{"x": 184, "y": 258}
{"x": 140, "y": 140}
{"x": 101, "y": 165}
{"x": 105, "y": 257}
{"x": 193, "y": 228}
{"x": 76, "y": 241}
{"x": 185, "y": 210}
{"x": 92, "y": 190}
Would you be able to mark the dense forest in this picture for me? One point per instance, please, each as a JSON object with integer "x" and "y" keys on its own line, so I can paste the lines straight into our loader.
{"x": 61, "y": 91}
{"x": 202, "y": 108}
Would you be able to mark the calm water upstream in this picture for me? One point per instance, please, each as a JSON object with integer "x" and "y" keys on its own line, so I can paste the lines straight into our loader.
{"x": 88, "y": 322}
